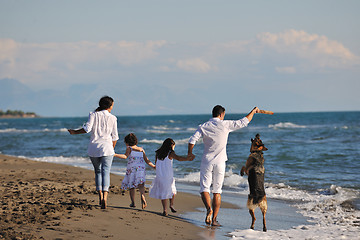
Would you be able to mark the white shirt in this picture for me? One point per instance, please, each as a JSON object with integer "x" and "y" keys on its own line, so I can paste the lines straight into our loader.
{"x": 103, "y": 128}
{"x": 215, "y": 134}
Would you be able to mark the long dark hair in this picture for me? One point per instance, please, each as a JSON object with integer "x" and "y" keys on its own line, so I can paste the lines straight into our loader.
{"x": 165, "y": 149}
{"x": 105, "y": 103}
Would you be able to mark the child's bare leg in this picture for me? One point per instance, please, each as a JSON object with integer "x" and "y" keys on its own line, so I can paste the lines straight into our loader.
{"x": 101, "y": 197}
{"x": 171, "y": 200}
{"x": 164, "y": 204}
{"x": 142, "y": 196}
{"x": 132, "y": 197}
{"x": 104, "y": 201}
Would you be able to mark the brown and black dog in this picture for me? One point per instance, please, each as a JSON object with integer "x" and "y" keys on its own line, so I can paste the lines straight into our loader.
{"x": 255, "y": 170}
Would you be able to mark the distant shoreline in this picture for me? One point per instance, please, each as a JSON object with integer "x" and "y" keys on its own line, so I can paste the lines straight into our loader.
{"x": 17, "y": 114}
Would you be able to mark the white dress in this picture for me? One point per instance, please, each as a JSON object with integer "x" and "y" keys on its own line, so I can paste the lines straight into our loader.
{"x": 135, "y": 171}
{"x": 163, "y": 186}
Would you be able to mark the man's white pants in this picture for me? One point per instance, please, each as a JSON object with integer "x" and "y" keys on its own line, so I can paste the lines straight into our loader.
{"x": 212, "y": 173}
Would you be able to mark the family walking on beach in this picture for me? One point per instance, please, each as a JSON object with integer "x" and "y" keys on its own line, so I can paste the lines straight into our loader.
{"x": 104, "y": 135}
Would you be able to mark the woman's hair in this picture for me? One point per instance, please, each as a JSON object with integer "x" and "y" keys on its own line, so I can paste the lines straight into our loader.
{"x": 217, "y": 110}
{"x": 131, "y": 139}
{"x": 165, "y": 149}
{"x": 105, "y": 103}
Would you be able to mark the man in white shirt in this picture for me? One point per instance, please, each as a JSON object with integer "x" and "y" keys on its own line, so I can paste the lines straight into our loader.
{"x": 215, "y": 134}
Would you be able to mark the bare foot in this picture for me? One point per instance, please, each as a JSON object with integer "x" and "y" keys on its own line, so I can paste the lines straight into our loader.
{"x": 173, "y": 210}
{"x": 215, "y": 224}
{"x": 143, "y": 202}
{"x": 103, "y": 204}
{"x": 208, "y": 217}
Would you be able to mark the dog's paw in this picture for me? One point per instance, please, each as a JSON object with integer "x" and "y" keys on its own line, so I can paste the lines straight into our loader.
{"x": 242, "y": 171}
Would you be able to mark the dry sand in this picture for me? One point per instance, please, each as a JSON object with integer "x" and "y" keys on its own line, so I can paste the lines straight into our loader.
{"x": 52, "y": 201}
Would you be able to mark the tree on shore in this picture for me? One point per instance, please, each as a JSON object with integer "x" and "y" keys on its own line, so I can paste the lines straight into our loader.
{"x": 17, "y": 113}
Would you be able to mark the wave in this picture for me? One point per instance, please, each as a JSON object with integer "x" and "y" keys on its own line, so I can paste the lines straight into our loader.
{"x": 330, "y": 212}
{"x": 152, "y": 141}
{"x": 178, "y": 142}
{"x": 163, "y": 129}
{"x": 63, "y": 160}
{"x": 15, "y": 130}
{"x": 285, "y": 125}
{"x": 315, "y": 231}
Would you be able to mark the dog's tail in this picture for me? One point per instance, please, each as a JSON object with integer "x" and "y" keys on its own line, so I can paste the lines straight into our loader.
{"x": 256, "y": 199}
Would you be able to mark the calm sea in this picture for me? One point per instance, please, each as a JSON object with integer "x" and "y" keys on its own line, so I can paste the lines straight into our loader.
{"x": 313, "y": 159}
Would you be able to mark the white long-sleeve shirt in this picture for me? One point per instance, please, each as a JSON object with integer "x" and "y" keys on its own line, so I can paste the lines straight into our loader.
{"x": 215, "y": 134}
{"x": 103, "y": 128}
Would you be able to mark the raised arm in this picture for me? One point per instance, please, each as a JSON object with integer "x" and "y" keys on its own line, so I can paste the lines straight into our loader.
{"x": 251, "y": 114}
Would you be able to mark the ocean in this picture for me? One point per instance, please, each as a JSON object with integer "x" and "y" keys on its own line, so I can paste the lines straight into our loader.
{"x": 312, "y": 164}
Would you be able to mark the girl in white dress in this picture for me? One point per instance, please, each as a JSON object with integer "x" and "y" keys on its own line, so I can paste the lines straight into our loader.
{"x": 163, "y": 186}
{"x": 135, "y": 172}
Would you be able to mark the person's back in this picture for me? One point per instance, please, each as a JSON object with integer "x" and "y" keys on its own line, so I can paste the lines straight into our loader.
{"x": 102, "y": 125}
{"x": 103, "y": 128}
{"x": 136, "y": 158}
{"x": 215, "y": 136}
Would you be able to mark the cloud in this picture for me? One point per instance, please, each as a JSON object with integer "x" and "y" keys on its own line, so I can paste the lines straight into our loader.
{"x": 8, "y": 49}
{"x": 285, "y": 69}
{"x": 194, "y": 65}
{"x": 44, "y": 65}
{"x": 34, "y": 60}
{"x": 311, "y": 47}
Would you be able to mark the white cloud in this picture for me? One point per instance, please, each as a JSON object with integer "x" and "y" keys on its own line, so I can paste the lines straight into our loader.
{"x": 40, "y": 61}
{"x": 291, "y": 51}
{"x": 312, "y": 47}
{"x": 193, "y": 65}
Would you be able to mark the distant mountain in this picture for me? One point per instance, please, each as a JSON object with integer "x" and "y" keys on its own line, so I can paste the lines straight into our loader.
{"x": 78, "y": 100}
{"x": 14, "y": 95}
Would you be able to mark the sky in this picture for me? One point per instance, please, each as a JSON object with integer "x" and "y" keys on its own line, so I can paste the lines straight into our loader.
{"x": 182, "y": 57}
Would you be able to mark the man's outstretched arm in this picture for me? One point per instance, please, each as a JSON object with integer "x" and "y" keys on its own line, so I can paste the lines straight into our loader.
{"x": 251, "y": 114}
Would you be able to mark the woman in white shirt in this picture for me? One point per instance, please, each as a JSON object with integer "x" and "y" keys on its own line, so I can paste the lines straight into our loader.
{"x": 104, "y": 135}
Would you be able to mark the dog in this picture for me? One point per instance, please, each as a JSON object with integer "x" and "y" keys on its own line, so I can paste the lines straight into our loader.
{"x": 255, "y": 170}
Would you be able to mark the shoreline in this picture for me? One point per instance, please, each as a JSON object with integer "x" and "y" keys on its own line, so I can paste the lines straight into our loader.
{"x": 55, "y": 201}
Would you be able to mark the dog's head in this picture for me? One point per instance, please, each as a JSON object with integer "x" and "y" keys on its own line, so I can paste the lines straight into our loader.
{"x": 257, "y": 145}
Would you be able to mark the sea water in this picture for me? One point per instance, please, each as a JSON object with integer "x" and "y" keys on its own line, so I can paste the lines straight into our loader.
{"x": 312, "y": 164}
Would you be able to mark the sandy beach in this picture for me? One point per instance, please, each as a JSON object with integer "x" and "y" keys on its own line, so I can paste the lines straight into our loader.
{"x": 51, "y": 201}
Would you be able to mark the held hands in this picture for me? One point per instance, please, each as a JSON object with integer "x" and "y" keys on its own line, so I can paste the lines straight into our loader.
{"x": 122, "y": 156}
{"x": 190, "y": 157}
{"x": 71, "y": 131}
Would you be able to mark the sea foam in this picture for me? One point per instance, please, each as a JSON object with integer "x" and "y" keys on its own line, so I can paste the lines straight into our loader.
{"x": 15, "y": 130}
{"x": 285, "y": 125}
